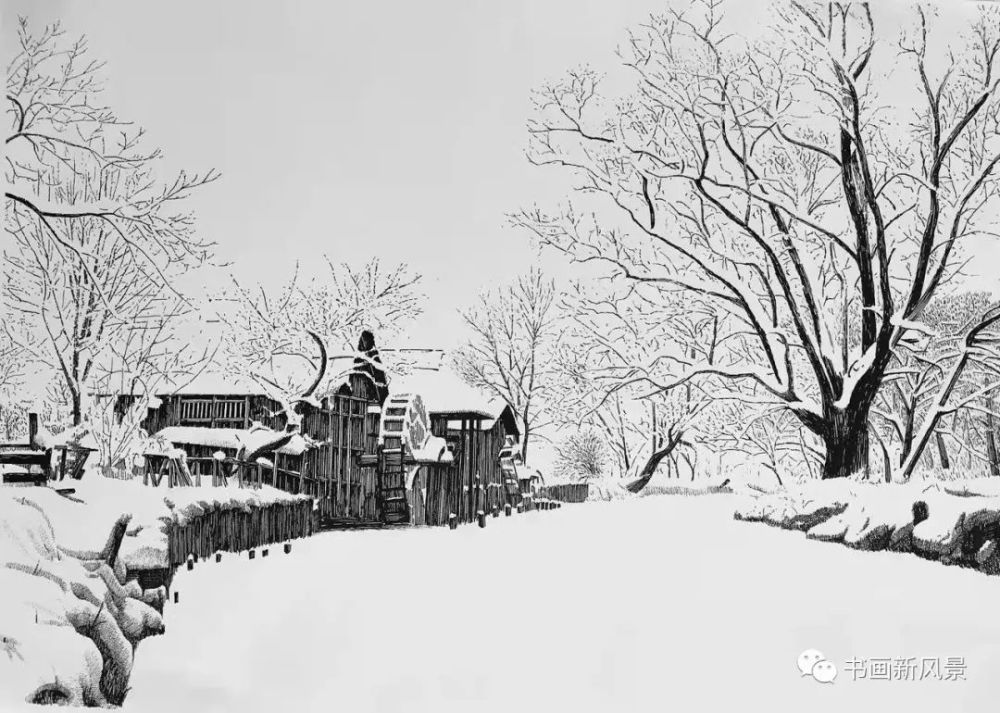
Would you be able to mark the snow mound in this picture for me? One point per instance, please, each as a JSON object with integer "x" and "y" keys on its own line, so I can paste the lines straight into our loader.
{"x": 67, "y": 624}
{"x": 71, "y": 617}
{"x": 955, "y": 524}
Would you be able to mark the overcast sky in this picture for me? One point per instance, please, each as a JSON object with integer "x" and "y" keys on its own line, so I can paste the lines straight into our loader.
{"x": 352, "y": 129}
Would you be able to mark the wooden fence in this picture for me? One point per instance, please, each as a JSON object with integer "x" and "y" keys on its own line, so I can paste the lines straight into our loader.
{"x": 565, "y": 492}
{"x": 235, "y": 530}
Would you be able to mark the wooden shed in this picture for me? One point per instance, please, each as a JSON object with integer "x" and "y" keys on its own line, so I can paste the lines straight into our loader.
{"x": 475, "y": 431}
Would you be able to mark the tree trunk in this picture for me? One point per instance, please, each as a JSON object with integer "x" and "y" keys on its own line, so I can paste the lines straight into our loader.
{"x": 991, "y": 437}
{"x": 652, "y": 463}
{"x": 846, "y": 440}
{"x": 524, "y": 446}
{"x": 942, "y": 451}
{"x": 77, "y": 409}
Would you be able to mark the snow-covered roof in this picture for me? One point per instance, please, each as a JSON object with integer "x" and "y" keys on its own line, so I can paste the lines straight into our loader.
{"x": 229, "y": 438}
{"x": 444, "y": 392}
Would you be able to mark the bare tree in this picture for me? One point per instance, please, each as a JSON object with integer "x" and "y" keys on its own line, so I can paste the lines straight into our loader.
{"x": 270, "y": 338}
{"x": 97, "y": 240}
{"x": 514, "y": 330}
{"x": 619, "y": 345}
{"x": 13, "y": 365}
{"x": 82, "y": 314}
{"x": 577, "y": 403}
{"x": 976, "y": 352}
{"x": 149, "y": 357}
{"x": 772, "y": 437}
{"x": 771, "y": 178}
{"x": 72, "y": 160}
{"x": 920, "y": 365}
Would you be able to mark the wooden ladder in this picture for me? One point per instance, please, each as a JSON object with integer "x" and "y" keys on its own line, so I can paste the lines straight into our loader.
{"x": 509, "y": 475}
{"x": 393, "y": 503}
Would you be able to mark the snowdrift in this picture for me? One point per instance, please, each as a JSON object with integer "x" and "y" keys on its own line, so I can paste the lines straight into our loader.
{"x": 953, "y": 523}
{"x": 73, "y": 610}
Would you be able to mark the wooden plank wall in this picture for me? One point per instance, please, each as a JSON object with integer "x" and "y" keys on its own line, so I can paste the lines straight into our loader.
{"x": 329, "y": 472}
{"x": 474, "y": 482}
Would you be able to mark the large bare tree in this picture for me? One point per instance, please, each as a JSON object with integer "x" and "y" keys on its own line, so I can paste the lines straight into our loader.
{"x": 817, "y": 182}
{"x": 514, "y": 331}
{"x": 96, "y": 239}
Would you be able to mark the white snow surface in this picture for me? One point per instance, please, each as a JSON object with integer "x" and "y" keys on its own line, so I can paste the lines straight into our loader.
{"x": 644, "y": 604}
{"x": 60, "y": 598}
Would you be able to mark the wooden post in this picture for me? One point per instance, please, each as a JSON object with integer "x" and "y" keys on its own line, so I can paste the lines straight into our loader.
{"x": 252, "y": 554}
{"x": 452, "y": 521}
{"x": 507, "y": 509}
{"x": 218, "y": 556}
{"x": 177, "y": 597}
{"x": 482, "y": 518}
{"x": 288, "y": 547}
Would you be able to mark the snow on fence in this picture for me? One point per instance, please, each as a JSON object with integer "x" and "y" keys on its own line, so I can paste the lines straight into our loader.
{"x": 235, "y": 530}
{"x": 565, "y": 492}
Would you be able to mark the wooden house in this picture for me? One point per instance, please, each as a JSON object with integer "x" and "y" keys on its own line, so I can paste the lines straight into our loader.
{"x": 360, "y": 471}
{"x": 345, "y": 426}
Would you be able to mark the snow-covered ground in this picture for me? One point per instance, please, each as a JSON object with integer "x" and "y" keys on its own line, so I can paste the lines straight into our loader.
{"x": 645, "y": 604}
{"x": 70, "y": 617}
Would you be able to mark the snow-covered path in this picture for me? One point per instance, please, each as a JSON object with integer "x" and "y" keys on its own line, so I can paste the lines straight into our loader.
{"x": 654, "y": 604}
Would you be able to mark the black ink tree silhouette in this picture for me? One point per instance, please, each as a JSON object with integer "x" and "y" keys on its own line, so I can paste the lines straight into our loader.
{"x": 97, "y": 241}
{"x": 772, "y": 179}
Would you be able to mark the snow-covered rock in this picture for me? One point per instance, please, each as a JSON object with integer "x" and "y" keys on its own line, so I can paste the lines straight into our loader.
{"x": 957, "y": 523}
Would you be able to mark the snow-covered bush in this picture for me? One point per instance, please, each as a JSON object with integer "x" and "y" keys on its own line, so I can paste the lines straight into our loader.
{"x": 582, "y": 455}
